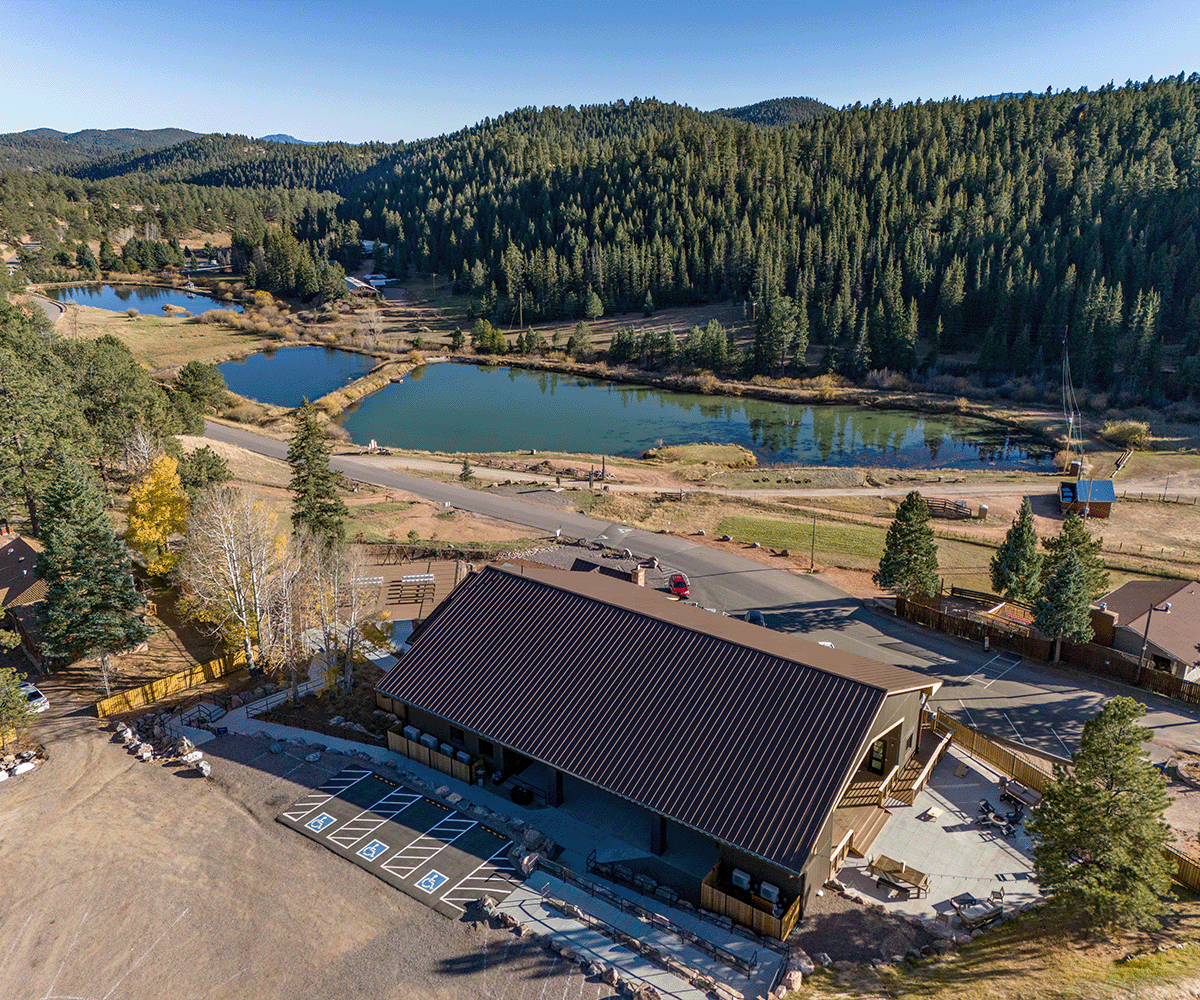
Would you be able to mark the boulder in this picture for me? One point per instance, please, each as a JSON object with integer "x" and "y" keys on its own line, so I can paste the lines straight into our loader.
{"x": 312, "y": 758}
{"x": 337, "y": 720}
{"x": 442, "y": 791}
{"x": 593, "y": 969}
{"x": 823, "y": 960}
{"x": 835, "y": 885}
{"x": 800, "y": 962}
{"x": 531, "y": 838}
{"x": 454, "y": 798}
{"x": 609, "y": 976}
{"x": 913, "y": 955}
{"x": 792, "y": 980}
{"x": 943, "y": 946}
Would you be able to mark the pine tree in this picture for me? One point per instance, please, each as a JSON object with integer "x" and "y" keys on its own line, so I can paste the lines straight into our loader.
{"x": 92, "y": 607}
{"x": 466, "y": 474}
{"x": 1075, "y": 537}
{"x": 909, "y": 563}
{"x": 1017, "y": 564}
{"x": 1099, "y": 833}
{"x": 1062, "y": 612}
{"x": 316, "y": 504}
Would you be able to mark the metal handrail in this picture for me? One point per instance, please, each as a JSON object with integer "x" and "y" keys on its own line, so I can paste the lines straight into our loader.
{"x": 736, "y": 962}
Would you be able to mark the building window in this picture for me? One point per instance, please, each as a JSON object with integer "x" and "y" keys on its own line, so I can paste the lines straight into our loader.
{"x": 486, "y": 748}
{"x": 457, "y": 736}
{"x": 908, "y": 745}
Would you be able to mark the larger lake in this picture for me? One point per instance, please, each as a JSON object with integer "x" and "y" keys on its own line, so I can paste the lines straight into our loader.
{"x": 143, "y": 298}
{"x": 458, "y": 407}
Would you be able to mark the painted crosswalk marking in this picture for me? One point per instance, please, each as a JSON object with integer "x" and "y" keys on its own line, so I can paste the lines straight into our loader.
{"x": 495, "y": 877}
{"x": 373, "y": 817}
{"x": 316, "y": 799}
{"x": 420, "y": 850}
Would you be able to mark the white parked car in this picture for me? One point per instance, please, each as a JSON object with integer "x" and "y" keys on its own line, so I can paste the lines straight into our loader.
{"x": 38, "y": 702}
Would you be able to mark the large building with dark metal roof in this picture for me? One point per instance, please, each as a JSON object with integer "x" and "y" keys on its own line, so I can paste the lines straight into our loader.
{"x": 750, "y": 737}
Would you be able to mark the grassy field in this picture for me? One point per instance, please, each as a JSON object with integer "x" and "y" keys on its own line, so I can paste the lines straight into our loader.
{"x": 1039, "y": 957}
{"x": 162, "y": 341}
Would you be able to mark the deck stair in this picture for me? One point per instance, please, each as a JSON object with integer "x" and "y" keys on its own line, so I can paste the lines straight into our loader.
{"x": 869, "y": 824}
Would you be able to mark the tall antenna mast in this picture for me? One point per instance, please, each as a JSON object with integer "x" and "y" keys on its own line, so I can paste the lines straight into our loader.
{"x": 1071, "y": 412}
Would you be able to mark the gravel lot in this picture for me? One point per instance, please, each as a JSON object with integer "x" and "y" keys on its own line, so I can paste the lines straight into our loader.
{"x": 126, "y": 880}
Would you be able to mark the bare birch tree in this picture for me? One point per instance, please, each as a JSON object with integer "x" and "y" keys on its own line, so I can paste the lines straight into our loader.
{"x": 231, "y": 567}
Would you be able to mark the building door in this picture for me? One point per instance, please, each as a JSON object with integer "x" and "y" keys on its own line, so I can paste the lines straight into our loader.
{"x": 877, "y": 756}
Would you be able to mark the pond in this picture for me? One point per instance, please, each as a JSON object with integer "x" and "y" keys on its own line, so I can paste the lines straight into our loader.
{"x": 473, "y": 408}
{"x": 290, "y": 375}
{"x": 144, "y": 298}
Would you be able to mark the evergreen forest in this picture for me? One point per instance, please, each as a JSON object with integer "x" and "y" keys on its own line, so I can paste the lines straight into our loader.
{"x": 956, "y": 235}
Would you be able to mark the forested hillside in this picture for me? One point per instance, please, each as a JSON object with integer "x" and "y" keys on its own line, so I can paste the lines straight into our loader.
{"x": 954, "y": 235}
{"x": 777, "y": 112}
{"x": 993, "y": 228}
{"x": 49, "y": 149}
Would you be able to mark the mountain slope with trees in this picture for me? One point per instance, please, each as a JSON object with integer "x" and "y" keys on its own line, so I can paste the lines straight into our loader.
{"x": 777, "y": 112}
{"x": 50, "y": 149}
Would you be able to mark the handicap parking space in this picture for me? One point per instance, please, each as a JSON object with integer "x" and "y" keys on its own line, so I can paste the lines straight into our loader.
{"x": 421, "y": 847}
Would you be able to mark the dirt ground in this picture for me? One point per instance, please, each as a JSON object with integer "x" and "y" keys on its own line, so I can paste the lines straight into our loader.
{"x": 148, "y": 881}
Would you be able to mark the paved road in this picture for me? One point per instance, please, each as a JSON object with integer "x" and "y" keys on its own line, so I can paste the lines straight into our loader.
{"x": 1030, "y": 703}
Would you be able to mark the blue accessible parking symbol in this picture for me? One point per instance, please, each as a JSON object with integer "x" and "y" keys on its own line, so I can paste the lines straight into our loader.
{"x": 320, "y": 822}
{"x": 433, "y": 881}
{"x": 372, "y": 850}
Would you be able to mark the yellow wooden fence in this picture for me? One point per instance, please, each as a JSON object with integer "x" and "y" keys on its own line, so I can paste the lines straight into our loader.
{"x": 172, "y": 684}
{"x": 422, "y": 754}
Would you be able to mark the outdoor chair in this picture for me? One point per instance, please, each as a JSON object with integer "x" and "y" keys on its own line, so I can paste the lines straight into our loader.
{"x": 985, "y": 806}
{"x": 998, "y": 895}
{"x": 1016, "y": 815}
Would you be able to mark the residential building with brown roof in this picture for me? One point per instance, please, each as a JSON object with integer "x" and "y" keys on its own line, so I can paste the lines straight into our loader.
{"x": 1173, "y": 635}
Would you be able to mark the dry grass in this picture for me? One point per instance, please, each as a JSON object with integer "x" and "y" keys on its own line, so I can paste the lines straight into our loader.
{"x": 246, "y": 466}
{"x": 1039, "y": 957}
{"x": 164, "y": 342}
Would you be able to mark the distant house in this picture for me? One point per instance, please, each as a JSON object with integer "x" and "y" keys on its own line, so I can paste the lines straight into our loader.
{"x": 1173, "y": 635}
{"x": 21, "y": 591}
{"x": 1087, "y": 497}
{"x": 356, "y": 287}
{"x": 766, "y": 756}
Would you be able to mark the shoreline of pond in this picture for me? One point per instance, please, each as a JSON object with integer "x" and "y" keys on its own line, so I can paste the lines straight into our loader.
{"x": 1033, "y": 423}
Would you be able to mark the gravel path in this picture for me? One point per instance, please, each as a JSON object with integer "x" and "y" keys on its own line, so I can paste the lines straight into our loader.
{"x": 847, "y": 931}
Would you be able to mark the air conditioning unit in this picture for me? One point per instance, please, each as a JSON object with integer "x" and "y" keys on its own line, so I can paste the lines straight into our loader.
{"x": 412, "y": 733}
{"x": 740, "y": 879}
{"x": 462, "y": 757}
{"x": 769, "y": 892}
{"x": 447, "y": 749}
{"x": 430, "y": 741}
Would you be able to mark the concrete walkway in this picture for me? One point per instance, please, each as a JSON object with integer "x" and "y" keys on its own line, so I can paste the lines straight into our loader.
{"x": 525, "y": 905}
{"x": 758, "y": 983}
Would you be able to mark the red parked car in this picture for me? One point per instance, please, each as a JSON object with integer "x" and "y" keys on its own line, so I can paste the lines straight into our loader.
{"x": 679, "y": 585}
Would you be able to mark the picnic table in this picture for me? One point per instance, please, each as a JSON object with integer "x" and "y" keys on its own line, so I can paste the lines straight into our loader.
{"x": 974, "y": 912}
{"x": 899, "y": 875}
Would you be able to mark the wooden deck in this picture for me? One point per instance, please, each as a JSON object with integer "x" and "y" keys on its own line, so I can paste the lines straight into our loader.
{"x": 861, "y": 814}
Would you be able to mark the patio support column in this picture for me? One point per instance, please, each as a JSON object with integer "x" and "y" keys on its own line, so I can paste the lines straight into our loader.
{"x": 554, "y": 789}
{"x": 658, "y": 835}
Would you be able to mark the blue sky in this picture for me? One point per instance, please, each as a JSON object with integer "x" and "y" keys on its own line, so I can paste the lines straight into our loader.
{"x": 398, "y": 70}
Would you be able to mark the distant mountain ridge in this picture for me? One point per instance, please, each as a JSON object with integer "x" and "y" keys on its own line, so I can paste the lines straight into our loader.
{"x": 777, "y": 112}
{"x": 49, "y": 149}
{"x": 286, "y": 139}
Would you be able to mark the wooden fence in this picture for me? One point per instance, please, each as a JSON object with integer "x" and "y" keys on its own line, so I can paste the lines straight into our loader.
{"x": 986, "y": 599}
{"x": 953, "y": 509}
{"x": 172, "y": 684}
{"x": 761, "y": 921}
{"x": 1091, "y": 657}
{"x": 1030, "y": 767}
{"x": 422, "y": 754}
{"x": 1187, "y": 870}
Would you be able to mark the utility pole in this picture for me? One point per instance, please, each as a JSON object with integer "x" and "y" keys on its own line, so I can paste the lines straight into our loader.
{"x": 1166, "y": 610}
{"x": 812, "y": 555}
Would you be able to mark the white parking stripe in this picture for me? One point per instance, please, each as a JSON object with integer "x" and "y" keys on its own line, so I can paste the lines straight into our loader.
{"x": 314, "y": 800}
{"x": 434, "y": 840}
{"x": 373, "y": 817}
{"x": 487, "y": 878}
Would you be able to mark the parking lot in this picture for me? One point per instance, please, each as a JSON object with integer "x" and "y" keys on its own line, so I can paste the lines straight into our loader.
{"x": 440, "y": 857}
